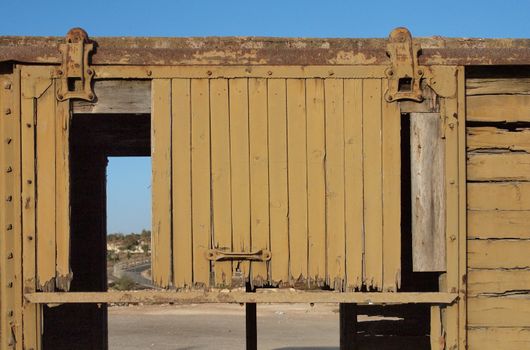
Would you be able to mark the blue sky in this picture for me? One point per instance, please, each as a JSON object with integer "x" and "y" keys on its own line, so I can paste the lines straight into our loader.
{"x": 129, "y": 179}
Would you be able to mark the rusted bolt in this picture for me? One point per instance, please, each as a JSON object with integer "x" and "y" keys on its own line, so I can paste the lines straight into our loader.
{"x": 453, "y": 238}
{"x": 60, "y": 97}
{"x": 8, "y": 111}
{"x": 390, "y": 72}
{"x": 9, "y": 227}
{"x": 209, "y": 72}
{"x": 8, "y": 140}
{"x": 269, "y": 72}
{"x": 9, "y": 169}
{"x": 89, "y": 71}
{"x": 10, "y": 256}
{"x": 9, "y": 198}
{"x": 30, "y": 238}
{"x": 149, "y": 73}
{"x": 28, "y": 125}
{"x": 59, "y": 72}
{"x": 7, "y": 86}
{"x": 91, "y": 96}
{"x": 29, "y": 181}
{"x": 455, "y": 115}
{"x": 420, "y": 72}
{"x": 311, "y": 304}
{"x": 390, "y": 98}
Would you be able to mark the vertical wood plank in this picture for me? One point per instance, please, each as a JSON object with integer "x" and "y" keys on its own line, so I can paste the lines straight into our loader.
{"x": 240, "y": 172}
{"x": 316, "y": 181}
{"x": 62, "y": 195}
{"x": 259, "y": 174}
{"x": 335, "y": 201}
{"x": 353, "y": 181}
{"x": 391, "y": 121}
{"x": 278, "y": 201}
{"x": 427, "y": 152}
{"x": 161, "y": 182}
{"x": 436, "y": 337}
{"x": 30, "y": 312}
{"x": 13, "y": 127}
{"x": 372, "y": 183}
{"x": 297, "y": 178}
{"x": 181, "y": 184}
{"x": 45, "y": 162}
{"x": 462, "y": 217}
{"x": 201, "y": 185}
{"x": 221, "y": 191}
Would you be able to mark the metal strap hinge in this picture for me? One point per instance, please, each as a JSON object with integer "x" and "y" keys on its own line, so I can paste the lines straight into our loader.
{"x": 75, "y": 75}
{"x": 223, "y": 255}
{"x": 405, "y": 74}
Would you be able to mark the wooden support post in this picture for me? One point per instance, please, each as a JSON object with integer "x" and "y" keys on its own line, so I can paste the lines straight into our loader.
{"x": 348, "y": 323}
{"x": 251, "y": 323}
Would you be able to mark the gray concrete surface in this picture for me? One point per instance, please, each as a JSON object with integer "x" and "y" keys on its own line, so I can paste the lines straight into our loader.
{"x": 194, "y": 327}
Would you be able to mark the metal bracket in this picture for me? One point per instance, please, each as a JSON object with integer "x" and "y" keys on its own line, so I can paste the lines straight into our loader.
{"x": 223, "y": 255}
{"x": 405, "y": 74}
{"x": 75, "y": 75}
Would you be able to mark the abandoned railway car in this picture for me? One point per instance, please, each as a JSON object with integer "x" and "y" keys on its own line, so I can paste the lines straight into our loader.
{"x": 390, "y": 176}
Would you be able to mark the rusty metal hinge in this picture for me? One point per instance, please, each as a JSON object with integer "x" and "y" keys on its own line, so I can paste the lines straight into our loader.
{"x": 75, "y": 75}
{"x": 223, "y": 255}
{"x": 405, "y": 74}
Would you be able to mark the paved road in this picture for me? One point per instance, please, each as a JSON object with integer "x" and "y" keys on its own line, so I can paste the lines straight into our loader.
{"x": 194, "y": 327}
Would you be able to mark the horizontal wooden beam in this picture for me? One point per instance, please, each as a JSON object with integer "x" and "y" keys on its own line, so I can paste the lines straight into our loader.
{"x": 263, "y": 296}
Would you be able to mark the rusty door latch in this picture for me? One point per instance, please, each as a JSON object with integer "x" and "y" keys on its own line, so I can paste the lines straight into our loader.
{"x": 405, "y": 74}
{"x": 75, "y": 75}
{"x": 223, "y": 255}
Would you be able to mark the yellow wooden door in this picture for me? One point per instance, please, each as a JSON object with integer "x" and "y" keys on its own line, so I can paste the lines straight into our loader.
{"x": 307, "y": 169}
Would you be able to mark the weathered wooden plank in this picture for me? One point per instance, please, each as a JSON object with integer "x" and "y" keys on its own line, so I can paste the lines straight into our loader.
{"x": 221, "y": 190}
{"x": 427, "y": 154}
{"x": 278, "y": 193}
{"x": 498, "y": 311}
{"x": 240, "y": 170}
{"x": 497, "y": 139}
{"x": 30, "y": 312}
{"x": 495, "y": 254}
{"x": 297, "y": 172}
{"x": 497, "y": 86}
{"x": 335, "y": 195}
{"x": 45, "y": 163}
{"x": 201, "y": 184}
{"x": 161, "y": 182}
{"x": 391, "y": 173}
{"x": 117, "y": 96}
{"x": 497, "y": 281}
{"x": 498, "y": 108}
{"x": 225, "y": 296}
{"x": 498, "y": 224}
{"x": 373, "y": 191}
{"x": 437, "y": 334}
{"x": 316, "y": 181}
{"x": 450, "y": 110}
{"x": 353, "y": 182}
{"x": 181, "y": 182}
{"x": 62, "y": 195}
{"x": 498, "y": 167}
{"x": 495, "y": 338}
{"x": 498, "y": 196}
{"x": 259, "y": 174}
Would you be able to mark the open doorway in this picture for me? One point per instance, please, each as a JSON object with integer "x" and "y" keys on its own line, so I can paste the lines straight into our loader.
{"x": 93, "y": 139}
